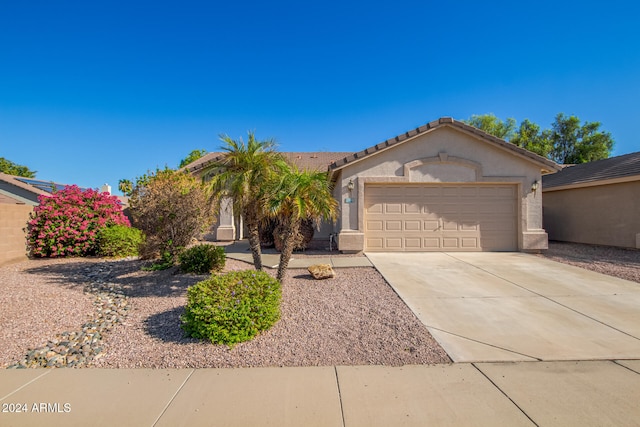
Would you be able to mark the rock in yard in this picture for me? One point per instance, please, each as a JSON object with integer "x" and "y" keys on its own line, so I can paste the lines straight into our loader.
{"x": 321, "y": 271}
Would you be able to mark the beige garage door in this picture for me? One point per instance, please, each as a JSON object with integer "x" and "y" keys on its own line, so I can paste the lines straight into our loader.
{"x": 440, "y": 217}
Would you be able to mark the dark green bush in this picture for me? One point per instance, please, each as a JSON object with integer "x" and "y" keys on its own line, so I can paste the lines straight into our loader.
{"x": 233, "y": 307}
{"x": 119, "y": 241}
{"x": 202, "y": 259}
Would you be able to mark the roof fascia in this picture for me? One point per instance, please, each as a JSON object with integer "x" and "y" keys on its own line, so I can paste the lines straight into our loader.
{"x": 594, "y": 183}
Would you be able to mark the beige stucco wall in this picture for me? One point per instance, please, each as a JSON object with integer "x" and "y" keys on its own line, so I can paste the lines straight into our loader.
{"x": 601, "y": 215}
{"x": 445, "y": 154}
{"x": 13, "y": 219}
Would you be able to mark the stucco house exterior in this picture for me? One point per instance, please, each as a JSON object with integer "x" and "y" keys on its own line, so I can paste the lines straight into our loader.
{"x": 595, "y": 203}
{"x": 445, "y": 186}
{"x": 17, "y": 199}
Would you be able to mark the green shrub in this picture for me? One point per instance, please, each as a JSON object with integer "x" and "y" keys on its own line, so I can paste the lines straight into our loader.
{"x": 233, "y": 307}
{"x": 202, "y": 259}
{"x": 67, "y": 222}
{"x": 171, "y": 208}
{"x": 119, "y": 241}
{"x": 164, "y": 262}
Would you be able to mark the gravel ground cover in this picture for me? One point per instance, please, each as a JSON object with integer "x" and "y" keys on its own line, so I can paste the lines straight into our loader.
{"x": 617, "y": 262}
{"x": 37, "y": 302}
{"x": 353, "y": 319}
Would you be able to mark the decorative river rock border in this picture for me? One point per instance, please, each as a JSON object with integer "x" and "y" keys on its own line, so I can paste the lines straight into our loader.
{"x": 78, "y": 349}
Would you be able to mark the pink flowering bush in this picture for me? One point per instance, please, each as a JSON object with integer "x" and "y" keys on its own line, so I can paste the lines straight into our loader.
{"x": 67, "y": 222}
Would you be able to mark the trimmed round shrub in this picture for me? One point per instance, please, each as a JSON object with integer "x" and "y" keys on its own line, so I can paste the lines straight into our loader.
{"x": 232, "y": 307}
{"x": 202, "y": 259}
{"x": 67, "y": 222}
{"x": 119, "y": 241}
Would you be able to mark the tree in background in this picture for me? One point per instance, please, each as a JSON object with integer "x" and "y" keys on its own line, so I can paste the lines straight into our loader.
{"x": 530, "y": 137}
{"x": 10, "y": 168}
{"x": 493, "y": 125}
{"x": 240, "y": 175}
{"x": 573, "y": 143}
{"x": 171, "y": 208}
{"x": 192, "y": 157}
{"x": 567, "y": 142}
{"x": 294, "y": 196}
{"x": 125, "y": 186}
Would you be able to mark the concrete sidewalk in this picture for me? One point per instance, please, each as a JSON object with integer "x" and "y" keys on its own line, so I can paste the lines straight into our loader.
{"x": 588, "y": 393}
{"x": 270, "y": 258}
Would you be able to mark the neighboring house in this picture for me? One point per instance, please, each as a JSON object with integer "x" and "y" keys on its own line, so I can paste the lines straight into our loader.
{"x": 17, "y": 199}
{"x": 445, "y": 186}
{"x": 595, "y": 203}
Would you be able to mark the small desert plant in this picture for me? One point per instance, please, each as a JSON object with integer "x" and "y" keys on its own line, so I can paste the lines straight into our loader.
{"x": 119, "y": 241}
{"x": 233, "y": 307}
{"x": 202, "y": 259}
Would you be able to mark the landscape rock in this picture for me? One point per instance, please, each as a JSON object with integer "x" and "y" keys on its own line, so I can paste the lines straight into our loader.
{"x": 322, "y": 271}
{"x": 79, "y": 348}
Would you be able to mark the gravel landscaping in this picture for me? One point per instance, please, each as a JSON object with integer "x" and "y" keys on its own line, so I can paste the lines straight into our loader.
{"x": 616, "y": 262}
{"x": 353, "y": 319}
{"x": 90, "y": 312}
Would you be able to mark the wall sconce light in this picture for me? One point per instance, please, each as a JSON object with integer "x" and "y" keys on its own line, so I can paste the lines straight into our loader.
{"x": 535, "y": 185}
{"x": 350, "y": 186}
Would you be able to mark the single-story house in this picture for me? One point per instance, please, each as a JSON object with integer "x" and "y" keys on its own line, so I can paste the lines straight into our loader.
{"x": 595, "y": 203}
{"x": 445, "y": 186}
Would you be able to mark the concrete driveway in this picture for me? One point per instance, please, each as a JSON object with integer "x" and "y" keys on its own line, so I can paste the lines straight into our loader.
{"x": 487, "y": 307}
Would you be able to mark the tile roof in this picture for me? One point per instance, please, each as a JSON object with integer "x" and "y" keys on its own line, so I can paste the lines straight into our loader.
{"x": 546, "y": 164}
{"x": 317, "y": 161}
{"x": 619, "y": 167}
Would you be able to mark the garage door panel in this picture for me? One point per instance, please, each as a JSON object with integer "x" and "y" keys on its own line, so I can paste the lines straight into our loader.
{"x": 375, "y": 208}
{"x": 413, "y": 225}
{"x": 375, "y": 243}
{"x": 431, "y": 243}
{"x": 431, "y": 225}
{"x": 412, "y": 208}
{"x": 441, "y": 217}
{"x": 392, "y": 243}
{"x": 372, "y": 225}
{"x": 393, "y": 208}
{"x": 411, "y": 243}
{"x": 470, "y": 243}
{"x": 393, "y": 225}
{"x": 450, "y": 225}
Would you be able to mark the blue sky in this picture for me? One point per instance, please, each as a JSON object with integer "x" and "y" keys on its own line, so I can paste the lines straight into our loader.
{"x": 92, "y": 92}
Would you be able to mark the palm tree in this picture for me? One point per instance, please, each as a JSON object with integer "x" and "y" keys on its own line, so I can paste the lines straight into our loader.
{"x": 240, "y": 175}
{"x": 294, "y": 196}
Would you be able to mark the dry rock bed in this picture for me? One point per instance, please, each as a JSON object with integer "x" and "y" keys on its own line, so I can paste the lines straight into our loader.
{"x": 352, "y": 319}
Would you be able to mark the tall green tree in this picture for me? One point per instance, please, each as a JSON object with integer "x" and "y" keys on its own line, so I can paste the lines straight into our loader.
{"x": 575, "y": 143}
{"x": 493, "y": 125}
{"x": 192, "y": 157}
{"x": 293, "y": 196}
{"x": 240, "y": 174}
{"x": 567, "y": 141}
{"x": 530, "y": 137}
{"x": 10, "y": 168}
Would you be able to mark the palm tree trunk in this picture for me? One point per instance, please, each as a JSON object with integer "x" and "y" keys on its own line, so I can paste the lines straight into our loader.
{"x": 254, "y": 239}
{"x": 291, "y": 228}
